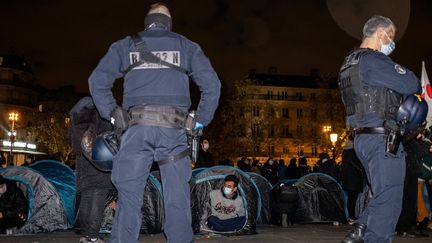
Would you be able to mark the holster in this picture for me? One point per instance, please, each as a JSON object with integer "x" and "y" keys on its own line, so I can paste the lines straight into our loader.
{"x": 193, "y": 135}
{"x": 394, "y": 136}
{"x": 393, "y": 141}
{"x": 121, "y": 120}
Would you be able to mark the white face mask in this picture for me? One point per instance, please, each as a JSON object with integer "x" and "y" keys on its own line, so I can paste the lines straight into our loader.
{"x": 388, "y": 48}
{"x": 206, "y": 146}
{"x": 271, "y": 162}
{"x": 227, "y": 190}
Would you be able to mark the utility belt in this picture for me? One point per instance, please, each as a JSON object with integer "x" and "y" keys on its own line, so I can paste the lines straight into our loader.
{"x": 165, "y": 116}
{"x": 392, "y": 135}
{"x": 370, "y": 130}
{"x": 157, "y": 115}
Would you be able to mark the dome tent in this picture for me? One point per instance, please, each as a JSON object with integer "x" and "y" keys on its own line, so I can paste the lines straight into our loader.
{"x": 212, "y": 178}
{"x": 152, "y": 209}
{"x": 321, "y": 199}
{"x": 46, "y": 210}
{"x": 63, "y": 179}
{"x": 264, "y": 187}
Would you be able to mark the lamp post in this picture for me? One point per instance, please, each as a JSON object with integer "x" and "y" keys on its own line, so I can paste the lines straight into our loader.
{"x": 333, "y": 139}
{"x": 13, "y": 117}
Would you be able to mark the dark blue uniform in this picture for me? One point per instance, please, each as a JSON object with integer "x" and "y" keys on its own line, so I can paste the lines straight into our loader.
{"x": 385, "y": 171}
{"x": 154, "y": 84}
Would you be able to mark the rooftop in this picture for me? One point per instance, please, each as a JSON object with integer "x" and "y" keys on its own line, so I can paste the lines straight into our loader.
{"x": 11, "y": 60}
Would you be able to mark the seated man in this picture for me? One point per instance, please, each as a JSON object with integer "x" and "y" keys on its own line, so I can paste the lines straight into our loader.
{"x": 13, "y": 205}
{"x": 227, "y": 210}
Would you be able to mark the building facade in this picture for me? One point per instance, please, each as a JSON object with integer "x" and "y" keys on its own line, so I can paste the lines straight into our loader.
{"x": 18, "y": 94}
{"x": 285, "y": 116}
{"x": 40, "y": 130}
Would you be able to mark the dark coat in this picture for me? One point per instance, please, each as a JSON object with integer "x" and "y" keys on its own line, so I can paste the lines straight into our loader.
{"x": 85, "y": 116}
{"x": 205, "y": 159}
{"x": 352, "y": 171}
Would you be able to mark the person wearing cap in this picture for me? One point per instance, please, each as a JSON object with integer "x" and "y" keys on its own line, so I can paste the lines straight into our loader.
{"x": 373, "y": 87}
{"x": 156, "y": 65}
{"x": 13, "y": 205}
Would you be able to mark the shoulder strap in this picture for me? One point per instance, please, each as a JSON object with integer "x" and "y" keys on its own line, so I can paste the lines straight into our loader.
{"x": 147, "y": 56}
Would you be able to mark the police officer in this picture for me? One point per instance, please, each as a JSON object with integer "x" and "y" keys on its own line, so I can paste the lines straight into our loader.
{"x": 372, "y": 88}
{"x": 156, "y": 65}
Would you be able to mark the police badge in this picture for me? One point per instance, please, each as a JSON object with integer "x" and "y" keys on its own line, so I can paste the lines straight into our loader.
{"x": 399, "y": 69}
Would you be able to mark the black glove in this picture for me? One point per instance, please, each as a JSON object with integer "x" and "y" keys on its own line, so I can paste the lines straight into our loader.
{"x": 119, "y": 120}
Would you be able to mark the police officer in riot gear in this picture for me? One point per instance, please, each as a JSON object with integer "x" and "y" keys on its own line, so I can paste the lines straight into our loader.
{"x": 372, "y": 88}
{"x": 156, "y": 65}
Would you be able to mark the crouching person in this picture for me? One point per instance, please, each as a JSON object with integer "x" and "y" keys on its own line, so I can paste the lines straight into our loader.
{"x": 13, "y": 206}
{"x": 284, "y": 201}
{"x": 227, "y": 209}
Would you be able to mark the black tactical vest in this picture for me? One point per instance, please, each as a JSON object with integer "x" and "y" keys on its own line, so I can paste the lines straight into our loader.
{"x": 360, "y": 98}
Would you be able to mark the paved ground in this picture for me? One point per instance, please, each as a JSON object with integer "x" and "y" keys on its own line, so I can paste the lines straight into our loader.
{"x": 297, "y": 234}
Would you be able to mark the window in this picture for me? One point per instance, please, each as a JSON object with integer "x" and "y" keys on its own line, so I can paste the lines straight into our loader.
{"x": 313, "y": 96}
{"x": 271, "y": 149}
{"x": 285, "y": 112}
{"x": 272, "y": 112}
{"x": 271, "y": 131}
{"x": 313, "y": 113}
{"x": 299, "y": 130}
{"x": 257, "y": 149}
{"x": 269, "y": 94}
{"x": 314, "y": 132}
{"x": 285, "y": 132}
{"x": 242, "y": 113}
{"x": 299, "y": 112}
{"x": 256, "y": 111}
{"x": 15, "y": 77}
{"x": 256, "y": 130}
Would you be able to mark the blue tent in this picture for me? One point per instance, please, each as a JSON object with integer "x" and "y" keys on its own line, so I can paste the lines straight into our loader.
{"x": 212, "y": 178}
{"x": 46, "y": 209}
{"x": 63, "y": 179}
{"x": 265, "y": 188}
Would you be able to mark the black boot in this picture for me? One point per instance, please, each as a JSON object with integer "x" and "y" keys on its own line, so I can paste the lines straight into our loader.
{"x": 356, "y": 235}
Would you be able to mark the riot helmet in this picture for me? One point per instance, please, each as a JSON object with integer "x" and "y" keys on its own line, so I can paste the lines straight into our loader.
{"x": 411, "y": 115}
{"x": 100, "y": 150}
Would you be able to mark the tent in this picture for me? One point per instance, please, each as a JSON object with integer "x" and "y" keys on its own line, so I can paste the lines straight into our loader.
{"x": 63, "y": 179}
{"x": 212, "y": 178}
{"x": 46, "y": 209}
{"x": 264, "y": 187}
{"x": 321, "y": 199}
{"x": 153, "y": 207}
{"x": 152, "y": 210}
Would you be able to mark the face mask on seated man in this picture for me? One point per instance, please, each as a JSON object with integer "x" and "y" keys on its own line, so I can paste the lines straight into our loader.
{"x": 227, "y": 208}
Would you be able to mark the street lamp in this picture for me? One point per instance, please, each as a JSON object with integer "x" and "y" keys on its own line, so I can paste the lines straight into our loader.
{"x": 327, "y": 129}
{"x": 13, "y": 117}
{"x": 333, "y": 139}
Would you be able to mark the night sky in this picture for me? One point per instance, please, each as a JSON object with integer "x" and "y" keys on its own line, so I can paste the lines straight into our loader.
{"x": 64, "y": 40}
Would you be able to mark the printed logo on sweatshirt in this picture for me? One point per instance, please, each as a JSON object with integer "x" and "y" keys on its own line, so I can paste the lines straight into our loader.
{"x": 220, "y": 208}
{"x": 172, "y": 57}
